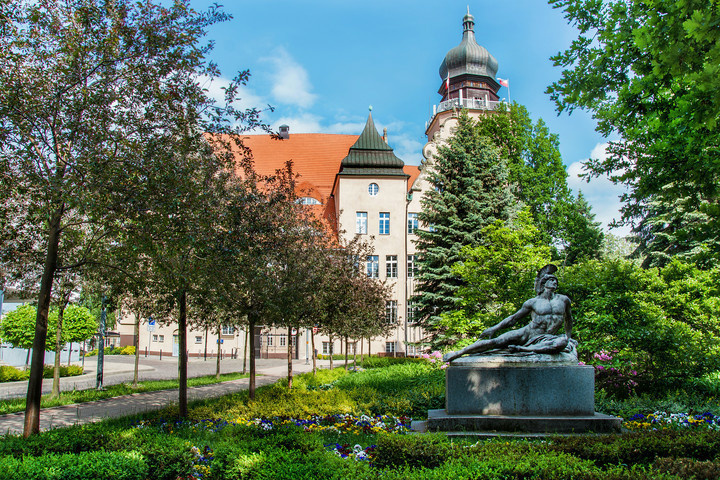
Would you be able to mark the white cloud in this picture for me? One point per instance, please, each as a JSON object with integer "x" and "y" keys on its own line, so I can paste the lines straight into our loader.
{"x": 601, "y": 193}
{"x": 303, "y": 123}
{"x": 291, "y": 83}
{"x": 247, "y": 98}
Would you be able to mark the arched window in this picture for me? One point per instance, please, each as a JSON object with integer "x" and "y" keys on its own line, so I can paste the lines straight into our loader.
{"x": 308, "y": 201}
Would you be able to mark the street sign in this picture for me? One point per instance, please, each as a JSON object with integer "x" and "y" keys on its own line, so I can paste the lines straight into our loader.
{"x": 315, "y": 330}
{"x": 293, "y": 332}
{"x": 151, "y": 325}
{"x": 220, "y": 340}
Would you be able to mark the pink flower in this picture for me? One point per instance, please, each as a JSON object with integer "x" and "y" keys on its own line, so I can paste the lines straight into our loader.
{"x": 444, "y": 366}
{"x": 600, "y": 367}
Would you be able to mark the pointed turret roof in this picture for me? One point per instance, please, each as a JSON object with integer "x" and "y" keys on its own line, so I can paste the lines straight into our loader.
{"x": 371, "y": 155}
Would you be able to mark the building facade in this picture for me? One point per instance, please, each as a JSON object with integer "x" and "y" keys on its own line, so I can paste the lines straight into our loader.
{"x": 358, "y": 182}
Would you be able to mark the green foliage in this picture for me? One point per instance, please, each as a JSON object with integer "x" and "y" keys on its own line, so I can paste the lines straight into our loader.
{"x": 469, "y": 192}
{"x": 79, "y": 324}
{"x": 498, "y": 276}
{"x": 18, "y": 328}
{"x": 664, "y": 322}
{"x": 648, "y": 71}
{"x": 538, "y": 179}
{"x": 82, "y": 466}
{"x": 428, "y": 451}
{"x": 643, "y": 448}
{"x": 12, "y": 374}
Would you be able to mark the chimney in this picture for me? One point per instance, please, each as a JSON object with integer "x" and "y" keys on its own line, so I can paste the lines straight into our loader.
{"x": 284, "y": 131}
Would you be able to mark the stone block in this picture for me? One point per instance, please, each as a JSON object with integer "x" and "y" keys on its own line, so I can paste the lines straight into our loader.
{"x": 520, "y": 390}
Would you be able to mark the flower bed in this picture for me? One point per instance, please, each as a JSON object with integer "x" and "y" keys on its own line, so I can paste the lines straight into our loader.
{"x": 664, "y": 421}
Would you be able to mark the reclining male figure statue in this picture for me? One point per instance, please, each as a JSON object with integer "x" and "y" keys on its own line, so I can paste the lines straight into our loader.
{"x": 548, "y": 312}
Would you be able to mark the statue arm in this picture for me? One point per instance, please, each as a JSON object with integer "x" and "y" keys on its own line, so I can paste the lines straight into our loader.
{"x": 509, "y": 321}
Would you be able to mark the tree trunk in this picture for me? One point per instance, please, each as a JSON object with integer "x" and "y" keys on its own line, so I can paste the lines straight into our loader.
{"x": 289, "y": 357}
{"x": 136, "y": 341}
{"x": 331, "y": 352}
{"x": 70, "y": 354}
{"x": 217, "y": 362}
{"x": 362, "y": 350}
{"x": 182, "y": 358}
{"x": 369, "y": 345}
{"x": 355, "y": 354}
{"x": 346, "y": 352}
{"x": 314, "y": 355}
{"x": 251, "y": 382}
{"x": 245, "y": 349}
{"x": 34, "y": 393}
{"x": 58, "y": 346}
{"x": 27, "y": 358}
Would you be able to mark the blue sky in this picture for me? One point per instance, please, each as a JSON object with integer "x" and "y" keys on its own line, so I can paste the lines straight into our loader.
{"x": 321, "y": 63}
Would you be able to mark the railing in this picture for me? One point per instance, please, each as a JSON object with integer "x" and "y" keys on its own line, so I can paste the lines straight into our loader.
{"x": 469, "y": 103}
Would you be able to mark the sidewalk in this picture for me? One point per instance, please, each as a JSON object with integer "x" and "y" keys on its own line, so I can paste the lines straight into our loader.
{"x": 269, "y": 371}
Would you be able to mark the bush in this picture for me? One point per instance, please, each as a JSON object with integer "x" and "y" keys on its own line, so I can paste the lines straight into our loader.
{"x": 427, "y": 451}
{"x": 12, "y": 374}
{"x": 128, "y": 350}
{"x": 82, "y": 466}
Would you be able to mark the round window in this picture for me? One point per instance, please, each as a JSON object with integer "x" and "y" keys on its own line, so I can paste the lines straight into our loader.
{"x": 373, "y": 189}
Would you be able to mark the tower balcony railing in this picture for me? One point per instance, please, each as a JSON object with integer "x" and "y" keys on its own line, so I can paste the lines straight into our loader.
{"x": 468, "y": 103}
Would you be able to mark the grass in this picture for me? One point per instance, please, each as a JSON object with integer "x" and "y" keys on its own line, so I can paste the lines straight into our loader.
{"x": 327, "y": 427}
{"x": 90, "y": 395}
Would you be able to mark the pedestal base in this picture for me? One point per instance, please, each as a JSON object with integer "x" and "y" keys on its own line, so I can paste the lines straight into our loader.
{"x": 440, "y": 421}
{"x": 539, "y": 390}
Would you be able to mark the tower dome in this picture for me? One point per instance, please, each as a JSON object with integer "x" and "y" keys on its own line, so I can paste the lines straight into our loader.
{"x": 468, "y": 57}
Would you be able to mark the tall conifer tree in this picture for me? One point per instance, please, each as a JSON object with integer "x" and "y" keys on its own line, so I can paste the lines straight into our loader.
{"x": 470, "y": 190}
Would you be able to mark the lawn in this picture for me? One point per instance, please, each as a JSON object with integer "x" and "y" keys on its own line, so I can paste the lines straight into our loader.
{"x": 354, "y": 425}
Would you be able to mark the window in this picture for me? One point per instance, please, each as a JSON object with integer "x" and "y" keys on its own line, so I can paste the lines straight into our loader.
{"x": 327, "y": 348}
{"x": 373, "y": 266}
{"x": 308, "y": 201}
{"x": 389, "y": 347}
{"x": 198, "y": 339}
{"x": 361, "y": 223}
{"x": 412, "y": 350}
{"x": 269, "y": 340}
{"x": 384, "y": 223}
{"x": 411, "y": 266}
{"x": 391, "y": 311}
{"x": 373, "y": 189}
{"x": 155, "y": 338}
{"x": 391, "y": 266}
{"x": 411, "y": 313}
{"x": 412, "y": 223}
{"x": 161, "y": 338}
{"x": 283, "y": 340}
{"x": 226, "y": 330}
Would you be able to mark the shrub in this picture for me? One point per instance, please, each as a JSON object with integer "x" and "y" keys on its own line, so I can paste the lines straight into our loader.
{"x": 412, "y": 450}
{"x": 128, "y": 350}
{"x": 689, "y": 468}
{"x": 12, "y": 374}
{"x": 82, "y": 466}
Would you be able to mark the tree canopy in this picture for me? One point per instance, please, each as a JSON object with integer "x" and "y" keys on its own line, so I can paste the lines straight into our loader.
{"x": 470, "y": 190}
{"x": 649, "y": 71}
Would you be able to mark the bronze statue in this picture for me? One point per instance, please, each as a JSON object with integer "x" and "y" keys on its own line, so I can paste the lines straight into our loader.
{"x": 548, "y": 312}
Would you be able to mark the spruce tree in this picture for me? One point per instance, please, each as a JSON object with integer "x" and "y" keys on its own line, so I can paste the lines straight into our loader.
{"x": 470, "y": 190}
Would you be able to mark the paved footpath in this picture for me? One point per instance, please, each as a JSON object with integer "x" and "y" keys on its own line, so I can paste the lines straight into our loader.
{"x": 269, "y": 371}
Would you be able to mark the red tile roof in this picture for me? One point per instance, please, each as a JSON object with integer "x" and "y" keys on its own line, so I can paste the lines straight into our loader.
{"x": 316, "y": 157}
{"x": 414, "y": 172}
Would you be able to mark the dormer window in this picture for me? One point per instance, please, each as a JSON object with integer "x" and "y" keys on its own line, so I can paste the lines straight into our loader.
{"x": 308, "y": 201}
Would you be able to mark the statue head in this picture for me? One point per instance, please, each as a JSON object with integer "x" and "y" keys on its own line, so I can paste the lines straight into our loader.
{"x": 543, "y": 275}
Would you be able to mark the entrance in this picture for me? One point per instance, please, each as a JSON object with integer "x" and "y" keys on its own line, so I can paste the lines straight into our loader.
{"x": 176, "y": 345}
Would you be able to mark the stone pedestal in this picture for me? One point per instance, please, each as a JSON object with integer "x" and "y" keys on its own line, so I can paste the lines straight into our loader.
{"x": 520, "y": 394}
